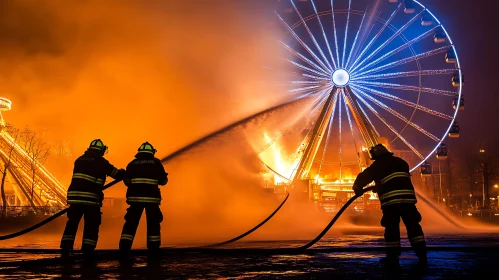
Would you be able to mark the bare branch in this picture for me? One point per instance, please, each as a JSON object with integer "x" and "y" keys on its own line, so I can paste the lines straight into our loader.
{"x": 38, "y": 152}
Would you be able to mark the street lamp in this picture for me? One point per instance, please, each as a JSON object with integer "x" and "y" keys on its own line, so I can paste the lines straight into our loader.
{"x": 496, "y": 186}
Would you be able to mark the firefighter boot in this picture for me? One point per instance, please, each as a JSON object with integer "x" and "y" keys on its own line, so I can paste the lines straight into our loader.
{"x": 125, "y": 248}
{"x": 423, "y": 259}
{"x": 89, "y": 255}
{"x": 391, "y": 259}
{"x": 65, "y": 253}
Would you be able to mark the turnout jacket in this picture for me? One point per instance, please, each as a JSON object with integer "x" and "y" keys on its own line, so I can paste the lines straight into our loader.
{"x": 392, "y": 178}
{"x": 89, "y": 175}
{"x": 143, "y": 177}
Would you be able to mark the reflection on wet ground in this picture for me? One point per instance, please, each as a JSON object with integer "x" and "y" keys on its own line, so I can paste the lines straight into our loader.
{"x": 461, "y": 263}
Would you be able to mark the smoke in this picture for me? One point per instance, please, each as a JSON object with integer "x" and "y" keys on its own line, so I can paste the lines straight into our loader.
{"x": 166, "y": 72}
{"x": 126, "y": 72}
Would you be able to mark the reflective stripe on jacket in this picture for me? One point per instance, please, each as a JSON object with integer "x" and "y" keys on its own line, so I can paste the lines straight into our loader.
{"x": 143, "y": 176}
{"x": 392, "y": 178}
{"x": 89, "y": 175}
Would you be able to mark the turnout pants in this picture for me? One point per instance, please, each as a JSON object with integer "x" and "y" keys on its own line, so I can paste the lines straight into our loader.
{"x": 411, "y": 218}
{"x": 132, "y": 217}
{"x": 92, "y": 216}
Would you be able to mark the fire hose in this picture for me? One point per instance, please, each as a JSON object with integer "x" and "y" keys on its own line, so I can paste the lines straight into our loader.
{"x": 48, "y": 220}
{"x": 60, "y": 213}
{"x": 209, "y": 248}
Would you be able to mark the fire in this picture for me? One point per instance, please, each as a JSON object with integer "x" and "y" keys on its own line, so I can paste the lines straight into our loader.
{"x": 282, "y": 169}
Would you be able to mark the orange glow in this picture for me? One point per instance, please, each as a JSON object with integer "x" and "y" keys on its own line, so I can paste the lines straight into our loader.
{"x": 167, "y": 72}
{"x": 284, "y": 167}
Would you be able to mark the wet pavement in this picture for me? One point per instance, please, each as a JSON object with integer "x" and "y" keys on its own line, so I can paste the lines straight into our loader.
{"x": 349, "y": 257}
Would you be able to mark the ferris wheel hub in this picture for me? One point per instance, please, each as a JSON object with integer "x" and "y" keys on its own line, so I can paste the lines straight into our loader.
{"x": 341, "y": 77}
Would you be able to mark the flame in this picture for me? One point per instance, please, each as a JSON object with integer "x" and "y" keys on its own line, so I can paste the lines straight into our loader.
{"x": 283, "y": 167}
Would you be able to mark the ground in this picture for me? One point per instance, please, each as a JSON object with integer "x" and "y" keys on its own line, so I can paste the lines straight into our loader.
{"x": 350, "y": 257}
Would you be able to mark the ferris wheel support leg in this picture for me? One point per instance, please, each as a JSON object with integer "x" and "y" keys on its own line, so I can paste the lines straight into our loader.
{"x": 365, "y": 128}
{"x": 317, "y": 133}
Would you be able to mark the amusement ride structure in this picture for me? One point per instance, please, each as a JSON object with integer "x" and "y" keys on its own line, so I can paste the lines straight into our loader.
{"x": 27, "y": 182}
{"x": 373, "y": 72}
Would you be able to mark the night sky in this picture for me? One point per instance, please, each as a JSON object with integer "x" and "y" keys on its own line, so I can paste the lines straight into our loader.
{"x": 473, "y": 26}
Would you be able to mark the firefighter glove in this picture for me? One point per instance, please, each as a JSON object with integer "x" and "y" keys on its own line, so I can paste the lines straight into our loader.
{"x": 121, "y": 174}
{"x": 358, "y": 190}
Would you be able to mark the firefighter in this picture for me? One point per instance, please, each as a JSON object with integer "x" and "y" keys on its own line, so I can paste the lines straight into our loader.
{"x": 143, "y": 176}
{"x": 85, "y": 195}
{"x": 398, "y": 200}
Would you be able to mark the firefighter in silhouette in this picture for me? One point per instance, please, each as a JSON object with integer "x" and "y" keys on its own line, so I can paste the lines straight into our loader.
{"x": 85, "y": 195}
{"x": 143, "y": 176}
{"x": 398, "y": 200}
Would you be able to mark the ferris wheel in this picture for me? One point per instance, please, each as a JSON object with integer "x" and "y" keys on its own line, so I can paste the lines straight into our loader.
{"x": 375, "y": 72}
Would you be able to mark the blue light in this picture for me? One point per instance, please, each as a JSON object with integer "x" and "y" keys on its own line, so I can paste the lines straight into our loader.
{"x": 460, "y": 88}
{"x": 341, "y": 78}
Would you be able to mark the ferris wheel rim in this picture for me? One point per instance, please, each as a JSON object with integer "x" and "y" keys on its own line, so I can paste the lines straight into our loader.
{"x": 458, "y": 65}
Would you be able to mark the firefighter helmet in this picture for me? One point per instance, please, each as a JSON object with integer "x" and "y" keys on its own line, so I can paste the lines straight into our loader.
{"x": 378, "y": 151}
{"x": 147, "y": 148}
{"x": 98, "y": 145}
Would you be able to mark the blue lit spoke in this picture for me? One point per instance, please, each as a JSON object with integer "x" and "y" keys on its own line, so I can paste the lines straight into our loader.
{"x": 364, "y": 129}
{"x": 396, "y": 114}
{"x": 373, "y": 40}
{"x": 404, "y": 74}
{"x": 302, "y": 57}
{"x": 323, "y": 33}
{"x": 293, "y": 33}
{"x": 400, "y": 48}
{"x": 303, "y": 67}
{"x": 347, "y": 111}
{"x": 305, "y": 82}
{"x": 340, "y": 93}
{"x": 289, "y": 125}
{"x": 404, "y": 61}
{"x": 346, "y": 35}
{"x": 307, "y": 94}
{"x": 316, "y": 77}
{"x": 312, "y": 36}
{"x": 300, "y": 83}
{"x": 403, "y": 101}
{"x": 355, "y": 40}
{"x": 369, "y": 121}
{"x": 335, "y": 34}
{"x": 326, "y": 93}
{"x": 410, "y": 88}
{"x": 303, "y": 89}
{"x": 321, "y": 102}
{"x": 382, "y": 46}
{"x": 361, "y": 47}
{"x": 331, "y": 118}
{"x": 387, "y": 124}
